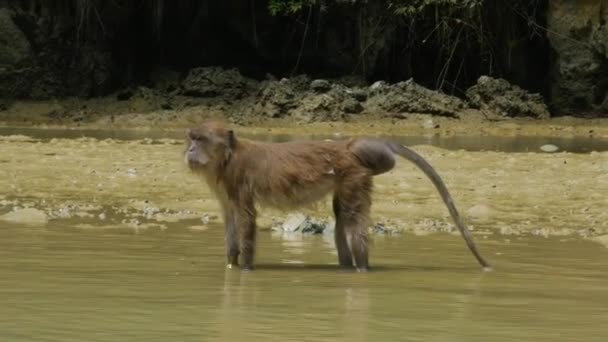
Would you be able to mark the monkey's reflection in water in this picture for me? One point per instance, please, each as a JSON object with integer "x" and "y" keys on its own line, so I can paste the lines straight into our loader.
{"x": 254, "y": 309}
{"x": 295, "y": 303}
{"x": 295, "y": 245}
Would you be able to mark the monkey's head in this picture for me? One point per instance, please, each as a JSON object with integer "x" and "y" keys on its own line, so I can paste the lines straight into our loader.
{"x": 209, "y": 146}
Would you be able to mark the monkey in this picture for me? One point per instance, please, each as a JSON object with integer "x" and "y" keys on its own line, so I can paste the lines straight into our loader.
{"x": 245, "y": 174}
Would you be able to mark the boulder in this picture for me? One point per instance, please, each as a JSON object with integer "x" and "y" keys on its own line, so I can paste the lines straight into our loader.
{"x": 497, "y": 96}
{"x": 217, "y": 82}
{"x": 410, "y": 97}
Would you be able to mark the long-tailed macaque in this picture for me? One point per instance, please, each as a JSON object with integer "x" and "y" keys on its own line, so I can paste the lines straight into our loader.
{"x": 244, "y": 173}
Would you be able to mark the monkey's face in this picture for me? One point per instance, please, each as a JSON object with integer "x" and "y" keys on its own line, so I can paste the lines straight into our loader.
{"x": 208, "y": 147}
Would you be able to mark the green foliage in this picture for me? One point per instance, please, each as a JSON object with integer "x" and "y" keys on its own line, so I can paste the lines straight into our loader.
{"x": 287, "y": 6}
{"x": 414, "y": 7}
{"x": 398, "y": 7}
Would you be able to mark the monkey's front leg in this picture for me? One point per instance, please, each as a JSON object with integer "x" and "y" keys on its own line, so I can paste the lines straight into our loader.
{"x": 246, "y": 225}
{"x": 231, "y": 237}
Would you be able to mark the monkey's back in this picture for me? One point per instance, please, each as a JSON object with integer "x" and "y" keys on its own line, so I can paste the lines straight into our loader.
{"x": 291, "y": 174}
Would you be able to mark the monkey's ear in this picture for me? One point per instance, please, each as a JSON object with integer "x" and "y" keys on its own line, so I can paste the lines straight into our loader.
{"x": 231, "y": 139}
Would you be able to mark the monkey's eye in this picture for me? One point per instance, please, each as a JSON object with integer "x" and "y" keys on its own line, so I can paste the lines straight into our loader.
{"x": 202, "y": 138}
{"x": 194, "y": 136}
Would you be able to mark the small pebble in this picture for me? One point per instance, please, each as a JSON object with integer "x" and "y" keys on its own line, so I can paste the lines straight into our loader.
{"x": 549, "y": 148}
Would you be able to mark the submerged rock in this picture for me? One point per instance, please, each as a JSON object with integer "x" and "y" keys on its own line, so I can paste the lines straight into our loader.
{"x": 303, "y": 224}
{"x": 384, "y": 229}
{"x": 29, "y": 216}
{"x": 549, "y": 148}
{"x": 505, "y": 99}
{"x": 293, "y": 222}
{"x": 299, "y": 222}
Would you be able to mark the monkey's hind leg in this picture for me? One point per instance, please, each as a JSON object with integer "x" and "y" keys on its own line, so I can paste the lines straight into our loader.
{"x": 354, "y": 207}
{"x": 345, "y": 257}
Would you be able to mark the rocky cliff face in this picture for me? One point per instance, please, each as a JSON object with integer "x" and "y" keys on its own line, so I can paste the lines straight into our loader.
{"x": 40, "y": 59}
{"x": 48, "y": 50}
{"x": 579, "y": 39}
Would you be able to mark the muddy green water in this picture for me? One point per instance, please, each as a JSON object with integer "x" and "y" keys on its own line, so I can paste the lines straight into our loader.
{"x": 577, "y": 144}
{"x": 72, "y": 280}
{"x": 62, "y": 284}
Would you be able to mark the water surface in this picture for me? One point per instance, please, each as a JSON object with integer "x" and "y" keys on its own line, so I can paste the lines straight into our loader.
{"x": 64, "y": 284}
{"x": 470, "y": 143}
{"x": 71, "y": 280}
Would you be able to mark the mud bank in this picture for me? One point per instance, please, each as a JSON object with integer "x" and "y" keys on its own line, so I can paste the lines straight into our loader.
{"x": 143, "y": 184}
{"x": 112, "y": 115}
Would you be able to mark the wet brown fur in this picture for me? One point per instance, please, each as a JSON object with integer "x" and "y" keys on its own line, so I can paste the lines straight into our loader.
{"x": 243, "y": 173}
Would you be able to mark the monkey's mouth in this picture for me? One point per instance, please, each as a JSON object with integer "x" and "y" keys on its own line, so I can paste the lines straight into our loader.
{"x": 192, "y": 164}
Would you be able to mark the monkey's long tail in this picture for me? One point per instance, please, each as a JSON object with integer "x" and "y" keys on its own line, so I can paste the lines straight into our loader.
{"x": 445, "y": 195}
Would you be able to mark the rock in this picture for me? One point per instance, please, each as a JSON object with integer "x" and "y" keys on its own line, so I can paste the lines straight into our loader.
{"x": 124, "y": 94}
{"x": 39, "y": 61}
{"x": 311, "y": 227}
{"x": 30, "y": 216}
{"x": 293, "y": 222}
{"x": 15, "y": 50}
{"x": 164, "y": 79}
{"x": 331, "y": 105}
{"x": 276, "y": 99}
{"x": 357, "y": 93}
{"x": 498, "y": 96}
{"x": 428, "y": 124}
{"x": 320, "y": 86}
{"x": 481, "y": 212}
{"x": 292, "y": 97}
{"x": 579, "y": 39}
{"x": 318, "y": 107}
{"x": 351, "y": 106}
{"x": 217, "y": 82}
{"x": 198, "y": 228}
{"x": 14, "y": 45}
{"x": 549, "y": 148}
{"x": 383, "y": 228}
{"x": 300, "y": 83}
{"x": 380, "y": 228}
{"x": 299, "y": 222}
{"x": 206, "y": 218}
{"x": 378, "y": 86}
{"x": 507, "y": 230}
{"x": 409, "y": 97}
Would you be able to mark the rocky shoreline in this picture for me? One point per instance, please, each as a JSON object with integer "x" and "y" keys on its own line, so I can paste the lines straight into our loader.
{"x": 244, "y": 100}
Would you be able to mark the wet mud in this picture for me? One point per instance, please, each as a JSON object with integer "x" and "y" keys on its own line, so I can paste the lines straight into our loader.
{"x": 143, "y": 183}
